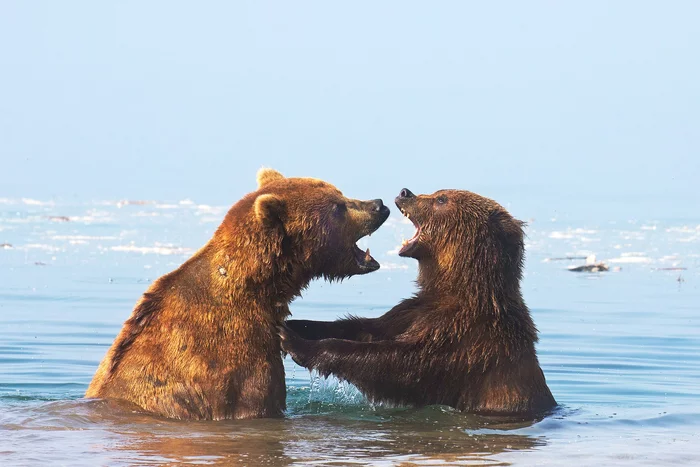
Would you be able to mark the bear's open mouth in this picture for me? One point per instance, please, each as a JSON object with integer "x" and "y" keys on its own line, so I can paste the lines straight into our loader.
{"x": 408, "y": 245}
{"x": 365, "y": 260}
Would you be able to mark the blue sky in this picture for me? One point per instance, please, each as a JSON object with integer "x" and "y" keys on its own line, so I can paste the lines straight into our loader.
{"x": 171, "y": 100}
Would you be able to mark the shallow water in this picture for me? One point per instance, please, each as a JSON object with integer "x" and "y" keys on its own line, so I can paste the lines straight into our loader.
{"x": 620, "y": 350}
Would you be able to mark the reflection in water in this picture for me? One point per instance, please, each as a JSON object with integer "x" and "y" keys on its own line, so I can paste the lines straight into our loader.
{"x": 121, "y": 434}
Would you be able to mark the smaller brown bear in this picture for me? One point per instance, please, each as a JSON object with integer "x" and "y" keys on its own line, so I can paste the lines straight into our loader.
{"x": 465, "y": 340}
{"x": 202, "y": 342}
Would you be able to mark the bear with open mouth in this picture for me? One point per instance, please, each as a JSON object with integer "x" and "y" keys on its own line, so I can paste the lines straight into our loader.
{"x": 202, "y": 341}
{"x": 465, "y": 340}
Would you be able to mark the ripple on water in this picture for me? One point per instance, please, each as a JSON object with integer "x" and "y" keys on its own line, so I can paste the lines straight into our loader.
{"x": 120, "y": 432}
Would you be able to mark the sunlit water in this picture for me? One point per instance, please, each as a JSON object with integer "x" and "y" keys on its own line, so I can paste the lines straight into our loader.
{"x": 620, "y": 350}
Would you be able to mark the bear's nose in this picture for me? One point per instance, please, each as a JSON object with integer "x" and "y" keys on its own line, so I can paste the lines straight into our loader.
{"x": 378, "y": 204}
{"x": 406, "y": 193}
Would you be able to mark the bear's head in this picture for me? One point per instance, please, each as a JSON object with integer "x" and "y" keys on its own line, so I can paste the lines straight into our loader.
{"x": 317, "y": 224}
{"x": 460, "y": 233}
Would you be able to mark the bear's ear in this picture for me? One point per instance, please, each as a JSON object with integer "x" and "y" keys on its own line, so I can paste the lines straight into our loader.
{"x": 267, "y": 175}
{"x": 269, "y": 209}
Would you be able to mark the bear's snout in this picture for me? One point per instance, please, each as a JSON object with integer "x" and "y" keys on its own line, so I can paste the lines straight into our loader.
{"x": 405, "y": 197}
{"x": 406, "y": 193}
{"x": 378, "y": 205}
{"x": 377, "y": 211}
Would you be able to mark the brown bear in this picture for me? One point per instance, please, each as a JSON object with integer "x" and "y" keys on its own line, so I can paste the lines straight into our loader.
{"x": 465, "y": 340}
{"x": 202, "y": 342}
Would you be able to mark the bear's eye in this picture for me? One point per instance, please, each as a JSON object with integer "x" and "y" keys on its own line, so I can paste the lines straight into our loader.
{"x": 339, "y": 208}
{"x": 442, "y": 199}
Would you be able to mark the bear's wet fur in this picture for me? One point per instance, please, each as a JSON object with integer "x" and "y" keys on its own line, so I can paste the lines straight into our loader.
{"x": 465, "y": 340}
{"x": 202, "y": 341}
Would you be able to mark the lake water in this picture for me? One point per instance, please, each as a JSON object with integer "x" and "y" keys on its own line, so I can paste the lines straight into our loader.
{"x": 620, "y": 350}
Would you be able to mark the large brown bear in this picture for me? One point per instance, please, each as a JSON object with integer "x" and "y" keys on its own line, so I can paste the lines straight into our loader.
{"x": 466, "y": 340}
{"x": 202, "y": 342}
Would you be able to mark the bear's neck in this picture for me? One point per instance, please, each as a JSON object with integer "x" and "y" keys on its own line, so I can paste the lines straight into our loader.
{"x": 480, "y": 313}
{"x": 255, "y": 263}
{"x": 480, "y": 297}
{"x": 268, "y": 274}
{"x": 469, "y": 280}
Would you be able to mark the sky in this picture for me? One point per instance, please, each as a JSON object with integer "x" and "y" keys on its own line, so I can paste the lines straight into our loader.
{"x": 533, "y": 103}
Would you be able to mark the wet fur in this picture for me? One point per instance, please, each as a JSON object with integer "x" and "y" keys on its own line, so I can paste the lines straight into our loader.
{"x": 202, "y": 342}
{"x": 465, "y": 340}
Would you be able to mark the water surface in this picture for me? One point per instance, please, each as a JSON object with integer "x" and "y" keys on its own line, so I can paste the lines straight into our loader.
{"x": 620, "y": 350}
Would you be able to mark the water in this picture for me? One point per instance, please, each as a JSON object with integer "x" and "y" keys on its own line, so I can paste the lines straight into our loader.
{"x": 621, "y": 350}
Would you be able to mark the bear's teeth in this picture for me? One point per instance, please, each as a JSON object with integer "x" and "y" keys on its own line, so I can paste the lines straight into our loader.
{"x": 408, "y": 216}
{"x": 368, "y": 257}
